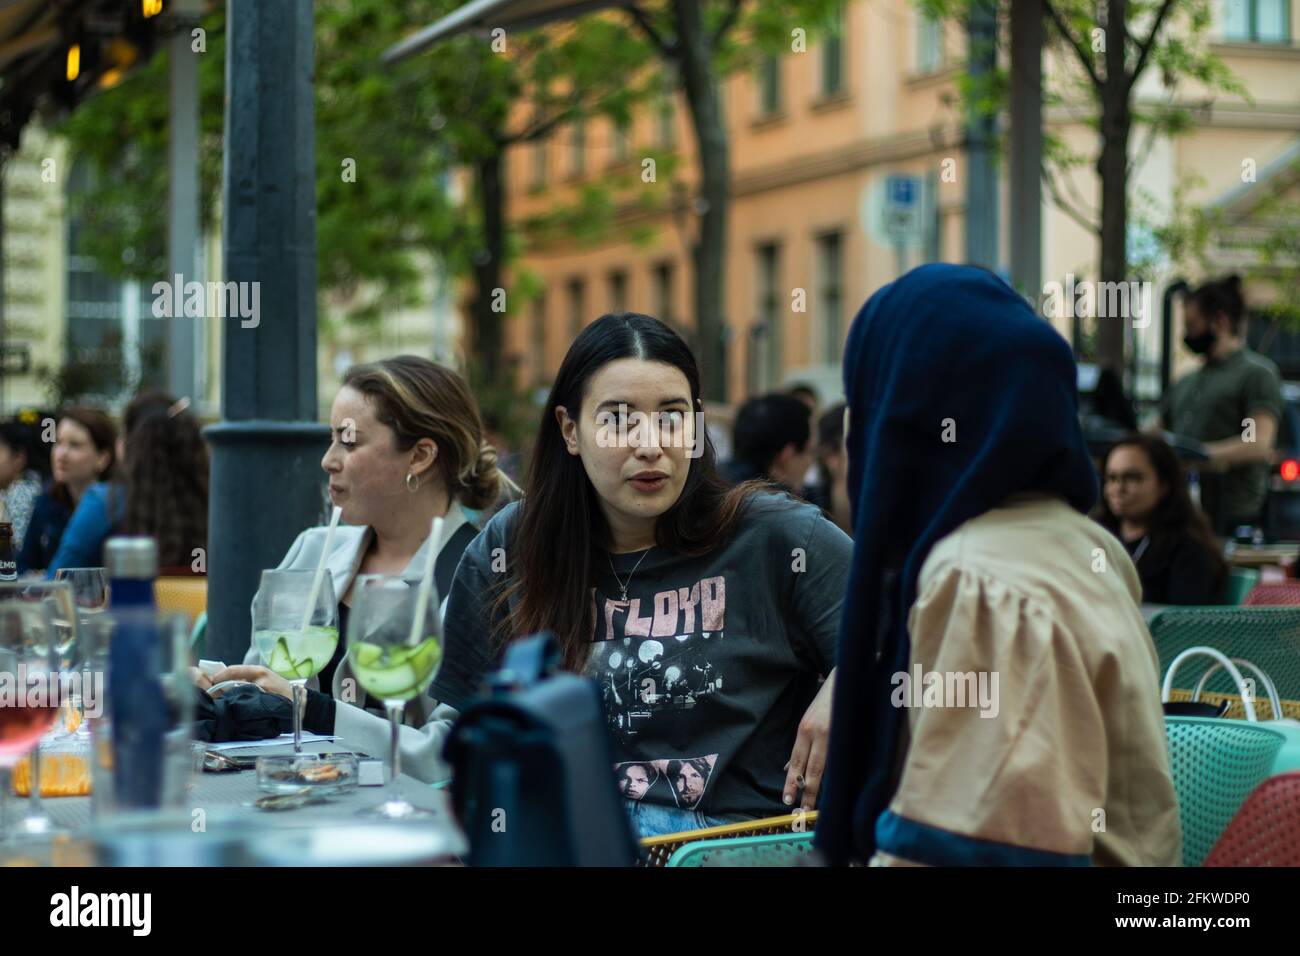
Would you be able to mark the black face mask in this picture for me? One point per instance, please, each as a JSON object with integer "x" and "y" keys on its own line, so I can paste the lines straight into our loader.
{"x": 1200, "y": 344}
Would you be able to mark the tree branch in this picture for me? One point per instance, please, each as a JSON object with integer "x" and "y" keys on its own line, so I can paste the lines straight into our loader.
{"x": 538, "y": 128}
{"x": 727, "y": 23}
{"x": 1075, "y": 45}
{"x": 1050, "y": 181}
{"x": 1144, "y": 50}
{"x": 665, "y": 47}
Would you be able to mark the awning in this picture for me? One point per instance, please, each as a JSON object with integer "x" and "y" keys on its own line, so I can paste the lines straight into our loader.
{"x": 36, "y": 70}
{"x": 490, "y": 14}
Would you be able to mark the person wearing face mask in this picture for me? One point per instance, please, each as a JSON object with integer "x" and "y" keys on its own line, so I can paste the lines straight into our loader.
{"x": 705, "y": 613}
{"x": 406, "y": 447}
{"x": 1232, "y": 404}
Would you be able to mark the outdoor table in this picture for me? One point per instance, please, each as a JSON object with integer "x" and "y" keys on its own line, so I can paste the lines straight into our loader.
{"x": 226, "y": 801}
{"x": 1259, "y": 555}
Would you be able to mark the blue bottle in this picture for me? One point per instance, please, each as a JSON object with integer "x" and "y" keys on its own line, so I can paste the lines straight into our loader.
{"x": 137, "y": 705}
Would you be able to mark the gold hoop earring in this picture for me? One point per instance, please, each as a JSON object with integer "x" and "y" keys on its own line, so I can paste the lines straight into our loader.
{"x": 412, "y": 483}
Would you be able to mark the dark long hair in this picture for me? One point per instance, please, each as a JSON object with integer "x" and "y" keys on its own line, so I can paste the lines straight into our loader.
{"x": 166, "y": 479}
{"x": 1174, "y": 517}
{"x": 552, "y": 559}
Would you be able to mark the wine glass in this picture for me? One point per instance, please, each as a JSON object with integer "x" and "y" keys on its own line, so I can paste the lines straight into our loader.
{"x": 394, "y": 657}
{"x": 90, "y": 595}
{"x": 294, "y": 641}
{"x": 29, "y": 663}
{"x": 62, "y": 636}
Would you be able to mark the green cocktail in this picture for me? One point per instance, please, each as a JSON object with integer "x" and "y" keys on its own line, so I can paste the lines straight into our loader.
{"x": 392, "y": 672}
{"x": 297, "y": 655}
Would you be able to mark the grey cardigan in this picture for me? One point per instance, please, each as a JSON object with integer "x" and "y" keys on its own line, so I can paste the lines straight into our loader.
{"x": 427, "y": 721}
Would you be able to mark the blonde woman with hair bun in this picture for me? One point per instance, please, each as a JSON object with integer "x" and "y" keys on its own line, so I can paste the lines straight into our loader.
{"x": 406, "y": 446}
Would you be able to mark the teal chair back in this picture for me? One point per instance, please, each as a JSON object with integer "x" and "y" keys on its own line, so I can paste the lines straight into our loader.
{"x": 1240, "y": 583}
{"x": 773, "y": 849}
{"x": 199, "y": 637}
{"x": 1216, "y": 764}
{"x": 1268, "y": 637}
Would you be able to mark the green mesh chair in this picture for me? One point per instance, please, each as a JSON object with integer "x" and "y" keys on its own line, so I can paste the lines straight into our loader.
{"x": 1269, "y": 637}
{"x": 1240, "y": 582}
{"x": 1216, "y": 764}
{"x": 776, "y": 849}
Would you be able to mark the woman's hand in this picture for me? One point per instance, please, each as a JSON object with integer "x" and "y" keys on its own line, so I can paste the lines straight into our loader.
{"x": 263, "y": 677}
{"x": 201, "y": 680}
{"x": 808, "y": 758}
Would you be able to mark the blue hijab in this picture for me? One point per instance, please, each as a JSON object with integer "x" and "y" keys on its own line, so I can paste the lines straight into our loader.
{"x": 959, "y": 396}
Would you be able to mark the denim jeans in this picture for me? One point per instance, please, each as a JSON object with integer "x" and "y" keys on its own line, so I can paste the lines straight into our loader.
{"x": 653, "y": 819}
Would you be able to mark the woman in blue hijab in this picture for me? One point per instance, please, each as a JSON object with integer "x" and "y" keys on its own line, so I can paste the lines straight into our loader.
{"x": 997, "y": 689}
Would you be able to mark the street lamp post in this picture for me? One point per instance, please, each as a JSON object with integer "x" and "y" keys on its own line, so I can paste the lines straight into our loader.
{"x": 266, "y": 478}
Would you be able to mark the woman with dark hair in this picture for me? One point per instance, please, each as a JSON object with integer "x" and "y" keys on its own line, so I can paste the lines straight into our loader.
{"x": 1146, "y": 505}
{"x": 21, "y": 478}
{"x": 998, "y": 693}
{"x": 84, "y": 454}
{"x": 165, "y": 485}
{"x": 706, "y": 613}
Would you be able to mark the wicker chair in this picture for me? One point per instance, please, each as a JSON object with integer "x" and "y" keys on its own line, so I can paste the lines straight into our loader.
{"x": 1216, "y": 764}
{"x": 1283, "y": 594}
{"x": 1266, "y": 830}
{"x": 793, "y": 827}
{"x": 1269, "y": 637}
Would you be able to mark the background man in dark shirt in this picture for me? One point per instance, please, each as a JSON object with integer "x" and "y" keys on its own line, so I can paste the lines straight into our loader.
{"x": 772, "y": 438}
{"x": 1232, "y": 404}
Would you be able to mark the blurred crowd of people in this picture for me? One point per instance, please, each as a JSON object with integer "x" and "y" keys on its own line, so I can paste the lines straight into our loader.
{"x": 784, "y": 438}
{"x": 71, "y": 478}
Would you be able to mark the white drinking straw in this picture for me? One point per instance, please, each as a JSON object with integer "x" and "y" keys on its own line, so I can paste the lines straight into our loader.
{"x": 320, "y": 569}
{"x": 426, "y": 583}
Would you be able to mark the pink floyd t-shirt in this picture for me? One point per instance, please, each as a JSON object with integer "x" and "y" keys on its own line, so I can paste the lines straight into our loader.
{"x": 708, "y": 665}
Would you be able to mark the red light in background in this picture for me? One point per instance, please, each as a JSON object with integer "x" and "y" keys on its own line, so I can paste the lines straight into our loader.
{"x": 1290, "y": 469}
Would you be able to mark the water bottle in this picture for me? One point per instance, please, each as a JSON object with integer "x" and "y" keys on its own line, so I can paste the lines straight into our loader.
{"x": 137, "y": 704}
{"x": 8, "y": 566}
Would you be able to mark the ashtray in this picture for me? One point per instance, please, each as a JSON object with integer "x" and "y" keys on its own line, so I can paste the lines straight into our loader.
{"x": 318, "y": 773}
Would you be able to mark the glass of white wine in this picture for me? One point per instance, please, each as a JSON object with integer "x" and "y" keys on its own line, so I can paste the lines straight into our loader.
{"x": 293, "y": 641}
{"x": 90, "y": 594}
{"x": 394, "y": 649}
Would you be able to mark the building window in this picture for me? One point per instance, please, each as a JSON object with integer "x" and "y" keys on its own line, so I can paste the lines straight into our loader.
{"x": 769, "y": 85}
{"x": 620, "y": 141}
{"x": 830, "y": 294}
{"x": 832, "y": 78}
{"x": 577, "y": 305}
{"x": 539, "y": 338}
{"x": 1257, "y": 21}
{"x": 767, "y": 331}
{"x": 618, "y": 291}
{"x": 929, "y": 44}
{"x": 664, "y": 292}
{"x": 539, "y": 163}
{"x": 113, "y": 343}
{"x": 578, "y": 161}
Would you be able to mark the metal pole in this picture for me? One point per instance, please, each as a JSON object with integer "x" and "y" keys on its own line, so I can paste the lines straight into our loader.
{"x": 4, "y": 179}
{"x": 182, "y": 197}
{"x": 266, "y": 479}
{"x": 1026, "y": 199}
{"x": 981, "y": 172}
